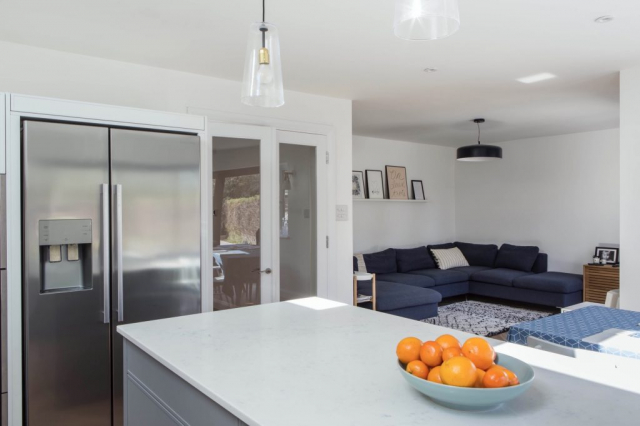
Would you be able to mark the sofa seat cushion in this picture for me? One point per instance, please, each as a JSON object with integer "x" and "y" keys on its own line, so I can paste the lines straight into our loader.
{"x": 479, "y": 254}
{"x": 391, "y": 296}
{"x": 408, "y": 279}
{"x": 441, "y": 277}
{"x": 500, "y": 276}
{"x": 552, "y": 282}
{"x": 520, "y": 258}
{"x": 413, "y": 259}
{"x": 470, "y": 270}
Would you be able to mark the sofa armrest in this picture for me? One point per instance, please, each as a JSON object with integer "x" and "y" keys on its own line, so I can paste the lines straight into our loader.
{"x": 541, "y": 263}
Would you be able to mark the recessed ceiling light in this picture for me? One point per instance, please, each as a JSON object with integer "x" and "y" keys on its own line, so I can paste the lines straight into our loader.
{"x": 537, "y": 78}
{"x": 430, "y": 70}
{"x": 604, "y": 19}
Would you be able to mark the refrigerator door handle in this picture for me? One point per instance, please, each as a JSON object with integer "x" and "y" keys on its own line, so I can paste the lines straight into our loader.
{"x": 106, "y": 286}
{"x": 120, "y": 272}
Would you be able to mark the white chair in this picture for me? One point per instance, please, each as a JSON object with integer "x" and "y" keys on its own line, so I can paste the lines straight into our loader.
{"x": 613, "y": 299}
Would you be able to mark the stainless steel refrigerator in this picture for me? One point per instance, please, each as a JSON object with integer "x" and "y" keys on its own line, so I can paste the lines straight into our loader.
{"x": 111, "y": 225}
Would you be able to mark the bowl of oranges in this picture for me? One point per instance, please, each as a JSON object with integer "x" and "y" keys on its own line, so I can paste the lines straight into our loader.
{"x": 469, "y": 376}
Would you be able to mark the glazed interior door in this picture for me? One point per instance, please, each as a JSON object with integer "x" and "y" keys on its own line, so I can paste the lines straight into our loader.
{"x": 241, "y": 215}
{"x": 303, "y": 241}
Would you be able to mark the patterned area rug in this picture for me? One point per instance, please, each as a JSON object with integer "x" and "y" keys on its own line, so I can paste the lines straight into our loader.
{"x": 484, "y": 319}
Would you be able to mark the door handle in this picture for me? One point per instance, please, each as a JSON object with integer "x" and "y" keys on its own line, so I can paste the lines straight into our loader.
{"x": 119, "y": 273}
{"x": 106, "y": 265}
{"x": 266, "y": 271}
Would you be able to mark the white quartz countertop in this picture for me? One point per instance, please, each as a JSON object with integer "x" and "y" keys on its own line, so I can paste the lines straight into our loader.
{"x": 321, "y": 363}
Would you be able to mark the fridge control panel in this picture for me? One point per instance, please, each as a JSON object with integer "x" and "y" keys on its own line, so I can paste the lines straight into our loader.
{"x": 65, "y": 231}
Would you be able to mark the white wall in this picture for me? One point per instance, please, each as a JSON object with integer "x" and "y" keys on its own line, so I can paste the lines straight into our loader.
{"x": 630, "y": 189}
{"x": 560, "y": 193}
{"x": 44, "y": 72}
{"x": 380, "y": 225}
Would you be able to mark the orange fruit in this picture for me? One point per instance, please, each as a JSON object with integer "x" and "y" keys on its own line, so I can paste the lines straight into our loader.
{"x": 480, "y": 352}
{"x": 479, "y": 378}
{"x": 513, "y": 379}
{"x": 434, "y": 375}
{"x": 408, "y": 349}
{"x": 448, "y": 341}
{"x": 431, "y": 354}
{"x": 459, "y": 371}
{"x": 418, "y": 369}
{"x": 495, "y": 377}
{"x": 451, "y": 352}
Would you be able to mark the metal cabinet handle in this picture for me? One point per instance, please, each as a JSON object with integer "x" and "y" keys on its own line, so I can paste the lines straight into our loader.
{"x": 266, "y": 271}
{"x": 119, "y": 272}
{"x": 106, "y": 284}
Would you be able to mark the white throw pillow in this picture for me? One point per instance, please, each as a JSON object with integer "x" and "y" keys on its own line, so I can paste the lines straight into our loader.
{"x": 449, "y": 258}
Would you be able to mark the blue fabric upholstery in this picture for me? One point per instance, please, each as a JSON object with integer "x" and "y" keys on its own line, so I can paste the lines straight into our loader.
{"x": 498, "y": 276}
{"x": 382, "y": 262}
{"x": 416, "y": 312}
{"x": 558, "y": 300}
{"x": 414, "y": 259}
{"x": 390, "y": 296}
{"x": 520, "y": 258}
{"x": 450, "y": 290}
{"x": 408, "y": 279}
{"x": 541, "y": 264}
{"x": 441, "y": 277}
{"x": 479, "y": 254}
{"x": 553, "y": 282}
{"x": 470, "y": 270}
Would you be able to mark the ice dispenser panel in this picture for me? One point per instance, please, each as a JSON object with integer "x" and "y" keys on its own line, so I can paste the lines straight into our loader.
{"x": 65, "y": 255}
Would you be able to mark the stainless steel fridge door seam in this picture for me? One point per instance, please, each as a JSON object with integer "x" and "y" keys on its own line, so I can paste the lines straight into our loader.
{"x": 120, "y": 273}
{"x": 106, "y": 290}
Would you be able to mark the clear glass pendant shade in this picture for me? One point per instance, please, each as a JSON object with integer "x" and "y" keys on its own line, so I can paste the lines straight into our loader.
{"x": 262, "y": 83}
{"x": 426, "y": 19}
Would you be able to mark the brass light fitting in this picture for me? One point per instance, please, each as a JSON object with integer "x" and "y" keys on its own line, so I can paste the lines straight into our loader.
{"x": 264, "y": 56}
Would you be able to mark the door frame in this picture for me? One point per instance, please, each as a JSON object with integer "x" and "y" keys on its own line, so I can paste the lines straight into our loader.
{"x": 274, "y": 125}
{"x": 18, "y": 107}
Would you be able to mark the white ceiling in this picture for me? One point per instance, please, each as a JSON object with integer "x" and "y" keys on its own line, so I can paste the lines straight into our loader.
{"x": 346, "y": 49}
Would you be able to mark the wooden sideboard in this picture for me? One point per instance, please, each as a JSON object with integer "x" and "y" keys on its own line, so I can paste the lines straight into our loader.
{"x": 598, "y": 280}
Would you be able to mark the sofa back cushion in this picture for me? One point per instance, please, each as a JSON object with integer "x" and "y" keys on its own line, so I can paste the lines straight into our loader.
{"x": 541, "y": 264}
{"x": 519, "y": 258}
{"x": 382, "y": 262}
{"x": 414, "y": 259}
{"x": 479, "y": 254}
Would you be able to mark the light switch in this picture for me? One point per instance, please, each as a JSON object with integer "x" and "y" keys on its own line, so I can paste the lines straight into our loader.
{"x": 342, "y": 213}
{"x": 54, "y": 254}
{"x": 72, "y": 252}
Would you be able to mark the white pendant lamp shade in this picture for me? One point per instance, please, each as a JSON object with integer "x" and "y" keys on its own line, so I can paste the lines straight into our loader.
{"x": 426, "y": 19}
{"x": 262, "y": 82}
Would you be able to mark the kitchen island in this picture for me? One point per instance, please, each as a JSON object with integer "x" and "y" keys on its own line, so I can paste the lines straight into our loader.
{"x": 316, "y": 362}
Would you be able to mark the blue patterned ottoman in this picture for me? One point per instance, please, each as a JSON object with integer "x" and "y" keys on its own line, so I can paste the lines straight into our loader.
{"x": 570, "y": 328}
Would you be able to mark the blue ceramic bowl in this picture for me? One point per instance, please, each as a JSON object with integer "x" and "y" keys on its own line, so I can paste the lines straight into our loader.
{"x": 475, "y": 399}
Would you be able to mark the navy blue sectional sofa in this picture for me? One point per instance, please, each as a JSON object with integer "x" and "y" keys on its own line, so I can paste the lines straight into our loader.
{"x": 410, "y": 284}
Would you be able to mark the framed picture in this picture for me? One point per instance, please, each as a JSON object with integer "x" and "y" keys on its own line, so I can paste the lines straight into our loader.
{"x": 418, "y": 190}
{"x": 357, "y": 185}
{"x": 610, "y": 254}
{"x": 397, "y": 183}
{"x": 375, "y": 188}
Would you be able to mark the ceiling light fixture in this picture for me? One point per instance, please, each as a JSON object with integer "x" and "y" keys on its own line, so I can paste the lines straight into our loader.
{"x": 479, "y": 152}
{"x": 426, "y": 19}
{"x": 429, "y": 70}
{"x": 604, "y": 19}
{"x": 262, "y": 83}
{"x": 536, "y": 78}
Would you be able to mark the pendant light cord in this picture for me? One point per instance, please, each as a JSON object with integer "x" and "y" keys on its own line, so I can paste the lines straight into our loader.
{"x": 478, "y": 133}
{"x": 263, "y": 12}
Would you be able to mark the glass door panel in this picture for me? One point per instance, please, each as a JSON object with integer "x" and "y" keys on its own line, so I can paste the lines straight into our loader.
{"x": 298, "y": 221}
{"x": 236, "y": 222}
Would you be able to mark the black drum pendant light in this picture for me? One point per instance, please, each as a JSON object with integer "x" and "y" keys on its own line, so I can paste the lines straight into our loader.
{"x": 479, "y": 152}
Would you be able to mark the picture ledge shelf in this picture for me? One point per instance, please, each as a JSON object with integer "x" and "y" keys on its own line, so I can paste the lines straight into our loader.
{"x": 390, "y": 201}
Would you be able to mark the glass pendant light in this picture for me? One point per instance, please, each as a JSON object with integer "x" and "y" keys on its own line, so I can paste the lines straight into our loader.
{"x": 262, "y": 82}
{"x": 479, "y": 152}
{"x": 426, "y": 19}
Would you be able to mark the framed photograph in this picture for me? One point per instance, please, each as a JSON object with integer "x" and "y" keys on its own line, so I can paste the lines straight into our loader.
{"x": 357, "y": 185}
{"x": 610, "y": 254}
{"x": 397, "y": 183}
{"x": 418, "y": 190}
{"x": 375, "y": 185}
